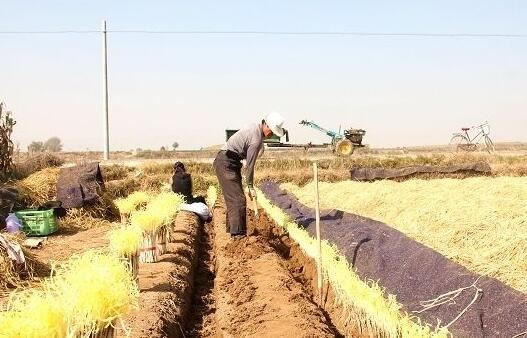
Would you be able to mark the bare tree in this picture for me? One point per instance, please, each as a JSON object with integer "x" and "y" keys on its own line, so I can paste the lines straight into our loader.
{"x": 6, "y": 144}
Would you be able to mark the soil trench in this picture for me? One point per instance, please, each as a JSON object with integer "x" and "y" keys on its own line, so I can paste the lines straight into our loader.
{"x": 167, "y": 285}
{"x": 256, "y": 295}
{"x": 304, "y": 271}
{"x": 202, "y": 320}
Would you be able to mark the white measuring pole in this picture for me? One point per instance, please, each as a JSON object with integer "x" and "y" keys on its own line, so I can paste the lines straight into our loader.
{"x": 105, "y": 92}
{"x": 319, "y": 244}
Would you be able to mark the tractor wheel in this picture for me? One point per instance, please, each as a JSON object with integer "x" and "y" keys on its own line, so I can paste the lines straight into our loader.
{"x": 344, "y": 147}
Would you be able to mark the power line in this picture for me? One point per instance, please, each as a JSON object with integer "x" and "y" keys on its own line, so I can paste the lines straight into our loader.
{"x": 285, "y": 33}
{"x": 321, "y": 33}
{"x": 51, "y": 32}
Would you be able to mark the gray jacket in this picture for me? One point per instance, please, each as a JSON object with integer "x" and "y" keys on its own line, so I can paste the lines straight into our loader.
{"x": 247, "y": 143}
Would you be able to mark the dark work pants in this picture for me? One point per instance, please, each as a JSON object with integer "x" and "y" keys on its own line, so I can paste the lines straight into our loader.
{"x": 228, "y": 171}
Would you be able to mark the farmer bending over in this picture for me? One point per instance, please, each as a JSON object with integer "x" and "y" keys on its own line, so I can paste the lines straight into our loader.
{"x": 246, "y": 144}
{"x": 181, "y": 183}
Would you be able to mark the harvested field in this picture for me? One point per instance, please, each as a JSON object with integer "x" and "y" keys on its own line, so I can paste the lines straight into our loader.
{"x": 206, "y": 285}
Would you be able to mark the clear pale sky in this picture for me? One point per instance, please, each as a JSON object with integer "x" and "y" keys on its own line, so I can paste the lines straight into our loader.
{"x": 189, "y": 88}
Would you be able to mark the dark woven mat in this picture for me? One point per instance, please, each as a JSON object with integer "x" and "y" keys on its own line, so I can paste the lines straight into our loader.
{"x": 371, "y": 174}
{"x": 80, "y": 185}
{"x": 413, "y": 272}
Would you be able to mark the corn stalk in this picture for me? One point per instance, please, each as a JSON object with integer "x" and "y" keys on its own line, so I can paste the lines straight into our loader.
{"x": 6, "y": 144}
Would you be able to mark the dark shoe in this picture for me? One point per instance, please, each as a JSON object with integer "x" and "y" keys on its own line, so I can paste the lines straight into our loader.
{"x": 236, "y": 237}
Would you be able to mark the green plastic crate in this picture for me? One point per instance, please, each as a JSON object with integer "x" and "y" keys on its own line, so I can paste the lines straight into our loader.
{"x": 38, "y": 222}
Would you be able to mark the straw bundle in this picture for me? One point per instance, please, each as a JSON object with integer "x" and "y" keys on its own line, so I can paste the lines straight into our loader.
{"x": 85, "y": 298}
{"x": 149, "y": 222}
{"x": 365, "y": 306}
{"x": 479, "y": 222}
{"x": 125, "y": 241}
{"x": 161, "y": 239}
{"x": 155, "y": 221}
{"x": 96, "y": 289}
{"x": 166, "y": 206}
{"x": 80, "y": 218}
{"x": 149, "y": 251}
{"x": 36, "y": 162}
{"x": 35, "y": 314}
{"x": 131, "y": 203}
{"x": 40, "y": 187}
{"x": 104, "y": 208}
{"x": 201, "y": 182}
{"x": 146, "y": 220}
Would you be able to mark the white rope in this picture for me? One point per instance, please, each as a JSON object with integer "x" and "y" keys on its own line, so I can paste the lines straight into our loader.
{"x": 450, "y": 297}
{"x": 520, "y": 334}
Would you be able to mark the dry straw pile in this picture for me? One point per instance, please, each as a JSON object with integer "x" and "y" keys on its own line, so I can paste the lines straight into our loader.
{"x": 479, "y": 222}
{"x": 40, "y": 187}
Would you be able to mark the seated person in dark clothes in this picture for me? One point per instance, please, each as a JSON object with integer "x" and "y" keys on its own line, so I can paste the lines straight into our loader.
{"x": 182, "y": 184}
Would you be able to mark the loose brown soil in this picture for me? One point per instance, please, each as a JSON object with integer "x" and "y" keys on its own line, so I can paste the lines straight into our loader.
{"x": 67, "y": 242}
{"x": 256, "y": 295}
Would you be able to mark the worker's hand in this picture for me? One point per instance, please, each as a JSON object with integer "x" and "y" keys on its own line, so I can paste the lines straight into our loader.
{"x": 252, "y": 193}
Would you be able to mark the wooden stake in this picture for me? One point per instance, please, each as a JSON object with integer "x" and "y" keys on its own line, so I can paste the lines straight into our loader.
{"x": 319, "y": 244}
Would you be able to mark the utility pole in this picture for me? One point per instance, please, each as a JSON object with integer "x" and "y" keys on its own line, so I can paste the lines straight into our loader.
{"x": 105, "y": 92}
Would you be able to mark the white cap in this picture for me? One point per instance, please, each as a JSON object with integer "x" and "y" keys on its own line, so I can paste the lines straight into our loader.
{"x": 274, "y": 122}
